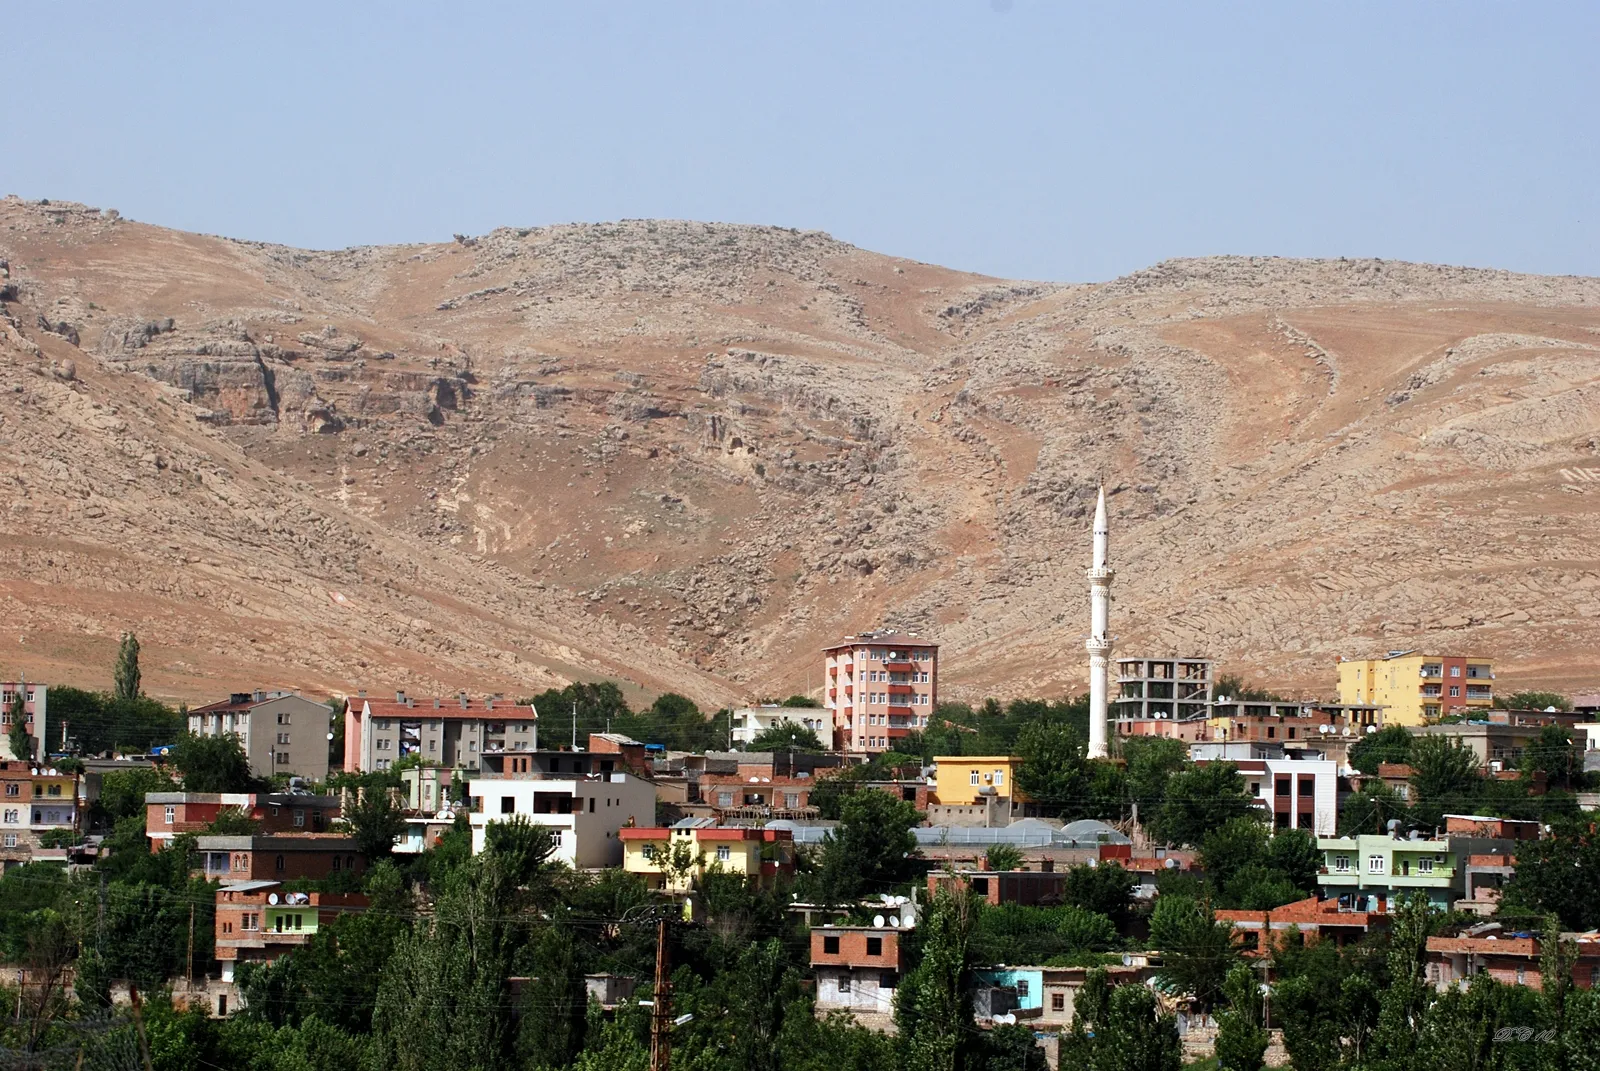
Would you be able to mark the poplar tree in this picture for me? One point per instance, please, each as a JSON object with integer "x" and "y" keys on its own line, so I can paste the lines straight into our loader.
{"x": 126, "y": 674}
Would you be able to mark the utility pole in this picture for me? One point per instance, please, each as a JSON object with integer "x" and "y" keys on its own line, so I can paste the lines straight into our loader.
{"x": 574, "y": 725}
{"x": 189, "y": 963}
{"x": 661, "y": 1011}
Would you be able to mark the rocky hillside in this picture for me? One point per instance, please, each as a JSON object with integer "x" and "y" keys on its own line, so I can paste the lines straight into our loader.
{"x": 686, "y": 454}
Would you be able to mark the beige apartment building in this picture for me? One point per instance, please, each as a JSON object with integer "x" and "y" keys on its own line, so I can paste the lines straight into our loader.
{"x": 281, "y": 732}
{"x": 878, "y": 687}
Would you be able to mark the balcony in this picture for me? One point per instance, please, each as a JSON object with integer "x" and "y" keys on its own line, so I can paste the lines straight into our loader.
{"x": 901, "y": 687}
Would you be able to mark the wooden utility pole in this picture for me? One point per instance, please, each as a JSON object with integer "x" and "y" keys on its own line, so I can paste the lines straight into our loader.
{"x": 189, "y": 963}
{"x": 661, "y": 1012}
{"x": 138, "y": 1022}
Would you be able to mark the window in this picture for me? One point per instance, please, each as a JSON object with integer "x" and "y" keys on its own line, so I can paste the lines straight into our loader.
{"x": 336, "y": 863}
{"x": 1374, "y": 864}
{"x": 508, "y": 804}
{"x": 13, "y": 816}
{"x": 999, "y": 778}
{"x": 283, "y": 738}
{"x": 1424, "y": 866}
{"x": 1455, "y": 671}
{"x": 11, "y": 840}
{"x": 299, "y": 818}
{"x": 1341, "y": 864}
{"x": 283, "y": 758}
{"x": 251, "y": 921}
{"x": 13, "y": 789}
{"x": 724, "y": 853}
{"x": 724, "y": 799}
{"x": 974, "y": 776}
{"x": 382, "y": 744}
{"x": 874, "y": 946}
{"x": 830, "y": 946}
{"x": 649, "y": 852}
{"x": 170, "y": 814}
{"x": 1022, "y": 987}
{"x": 381, "y": 723}
{"x": 888, "y": 980}
{"x": 844, "y": 983}
{"x": 1058, "y": 1002}
{"x": 279, "y": 864}
{"x": 349, "y": 862}
{"x": 1455, "y": 691}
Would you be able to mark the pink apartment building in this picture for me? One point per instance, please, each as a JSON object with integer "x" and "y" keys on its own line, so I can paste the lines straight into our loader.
{"x": 878, "y": 687}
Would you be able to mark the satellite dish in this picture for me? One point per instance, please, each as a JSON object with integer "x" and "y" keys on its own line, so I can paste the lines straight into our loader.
{"x": 272, "y": 898}
{"x": 877, "y": 920}
{"x": 894, "y": 921}
{"x": 1344, "y": 730}
{"x": 1324, "y": 729}
{"x": 1371, "y": 729}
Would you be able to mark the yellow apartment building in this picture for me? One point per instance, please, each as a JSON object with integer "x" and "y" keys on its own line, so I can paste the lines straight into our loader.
{"x": 671, "y": 859}
{"x": 1417, "y": 688}
{"x": 963, "y": 780}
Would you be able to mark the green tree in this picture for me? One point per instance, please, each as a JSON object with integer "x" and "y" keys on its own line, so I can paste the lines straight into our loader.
{"x": 1371, "y": 809}
{"x": 21, "y": 742}
{"x": 1119, "y": 1029}
{"x": 1533, "y": 701}
{"x": 1002, "y": 857}
{"x": 555, "y": 1004}
{"x": 1106, "y": 889}
{"x": 233, "y": 822}
{"x": 1233, "y": 686}
{"x": 1558, "y": 875}
{"x": 933, "y": 1008}
{"x": 871, "y": 849}
{"x": 213, "y": 764}
{"x": 1404, "y": 1004}
{"x": 1197, "y": 951}
{"x": 1200, "y": 798}
{"x": 1445, "y": 779}
{"x": 786, "y": 736}
{"x": 126, "y": 672}
{"x": 1554, "y": 755}
{"x": 375, "y": 820}
{"x": 440, "y": 1003}
{"x": 1241, "y": 1035}
{"x": 1392, "y": 743}
{"x": 673, "y": 705}
{"x": 1152, "y": 762}
{"x": 801, "y": 701}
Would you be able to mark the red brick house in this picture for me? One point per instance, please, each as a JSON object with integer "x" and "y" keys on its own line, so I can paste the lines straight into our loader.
{"x": 279, "y": 856}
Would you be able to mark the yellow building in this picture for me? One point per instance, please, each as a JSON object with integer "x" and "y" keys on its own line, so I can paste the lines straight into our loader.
{"x": 1416, "y": 688}
{"x": 670, "y": 859}
{"x": 963, "y": 780}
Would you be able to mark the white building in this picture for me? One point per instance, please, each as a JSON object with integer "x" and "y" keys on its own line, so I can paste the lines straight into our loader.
{"x": 751, "y": 722}
{"x": 1296, "y": 793}
{"x": 585, "y": 812}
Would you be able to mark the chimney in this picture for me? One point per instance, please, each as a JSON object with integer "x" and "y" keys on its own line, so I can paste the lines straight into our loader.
{"x": 259, "y": 695}
{"x": 463, "y": 697}
{"x": 488, "y": 704}
{"x": 435, "y": 702}
{"x": 362, "y": 694}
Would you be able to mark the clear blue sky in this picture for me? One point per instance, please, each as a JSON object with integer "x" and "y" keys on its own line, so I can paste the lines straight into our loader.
{"x": 1061, "y": 141}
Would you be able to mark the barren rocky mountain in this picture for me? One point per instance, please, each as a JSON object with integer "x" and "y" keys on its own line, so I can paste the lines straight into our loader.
{"x": 685, "y": 455}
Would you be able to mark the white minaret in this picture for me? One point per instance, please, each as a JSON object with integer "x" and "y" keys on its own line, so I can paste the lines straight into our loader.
{"x": 1099, "y": 642}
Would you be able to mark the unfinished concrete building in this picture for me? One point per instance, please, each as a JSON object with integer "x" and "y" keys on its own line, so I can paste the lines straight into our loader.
{"x": 1178, "y": 688}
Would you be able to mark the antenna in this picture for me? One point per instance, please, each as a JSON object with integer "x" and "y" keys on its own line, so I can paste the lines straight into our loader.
{"x": 574, "y": 725}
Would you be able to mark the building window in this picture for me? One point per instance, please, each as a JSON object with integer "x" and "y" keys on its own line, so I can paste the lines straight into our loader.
{"x": 999, "y": 778}
{"x": 170, "y": 814}
{"x": 1455, "y": 671}
{"x": 1058, "y": 1002}
{"x": 299, "y": 818}
{"x": 283, "y": 738}
{"x": 508, "y": 804}
{"x": 1341, "y": 864}
{"x": 844, "y": 983}
{"x": 13, "y": 790}
{"x": 830, "y": 946}
{"x": 336, "y": 864}
{"x": 13, "y": 816}
{"x": 974, "y": 776}
{"x": 1022, "y": 987}
{"x": 283, "y": 758}
{"x": 279, "y": 864}
{"x": 888, "y": 980}
{"x": 649, "y": 853}
{"x": 874, "y": 946}
{"x": 11, "y": 840}
{"x": 1374, "y": 864}
{"x": 1424, "y": 866}
{"x": 723, "y": 853}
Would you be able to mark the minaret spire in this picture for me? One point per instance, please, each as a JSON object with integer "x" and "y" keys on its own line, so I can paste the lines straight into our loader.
{"x": 1099, "y": 642}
